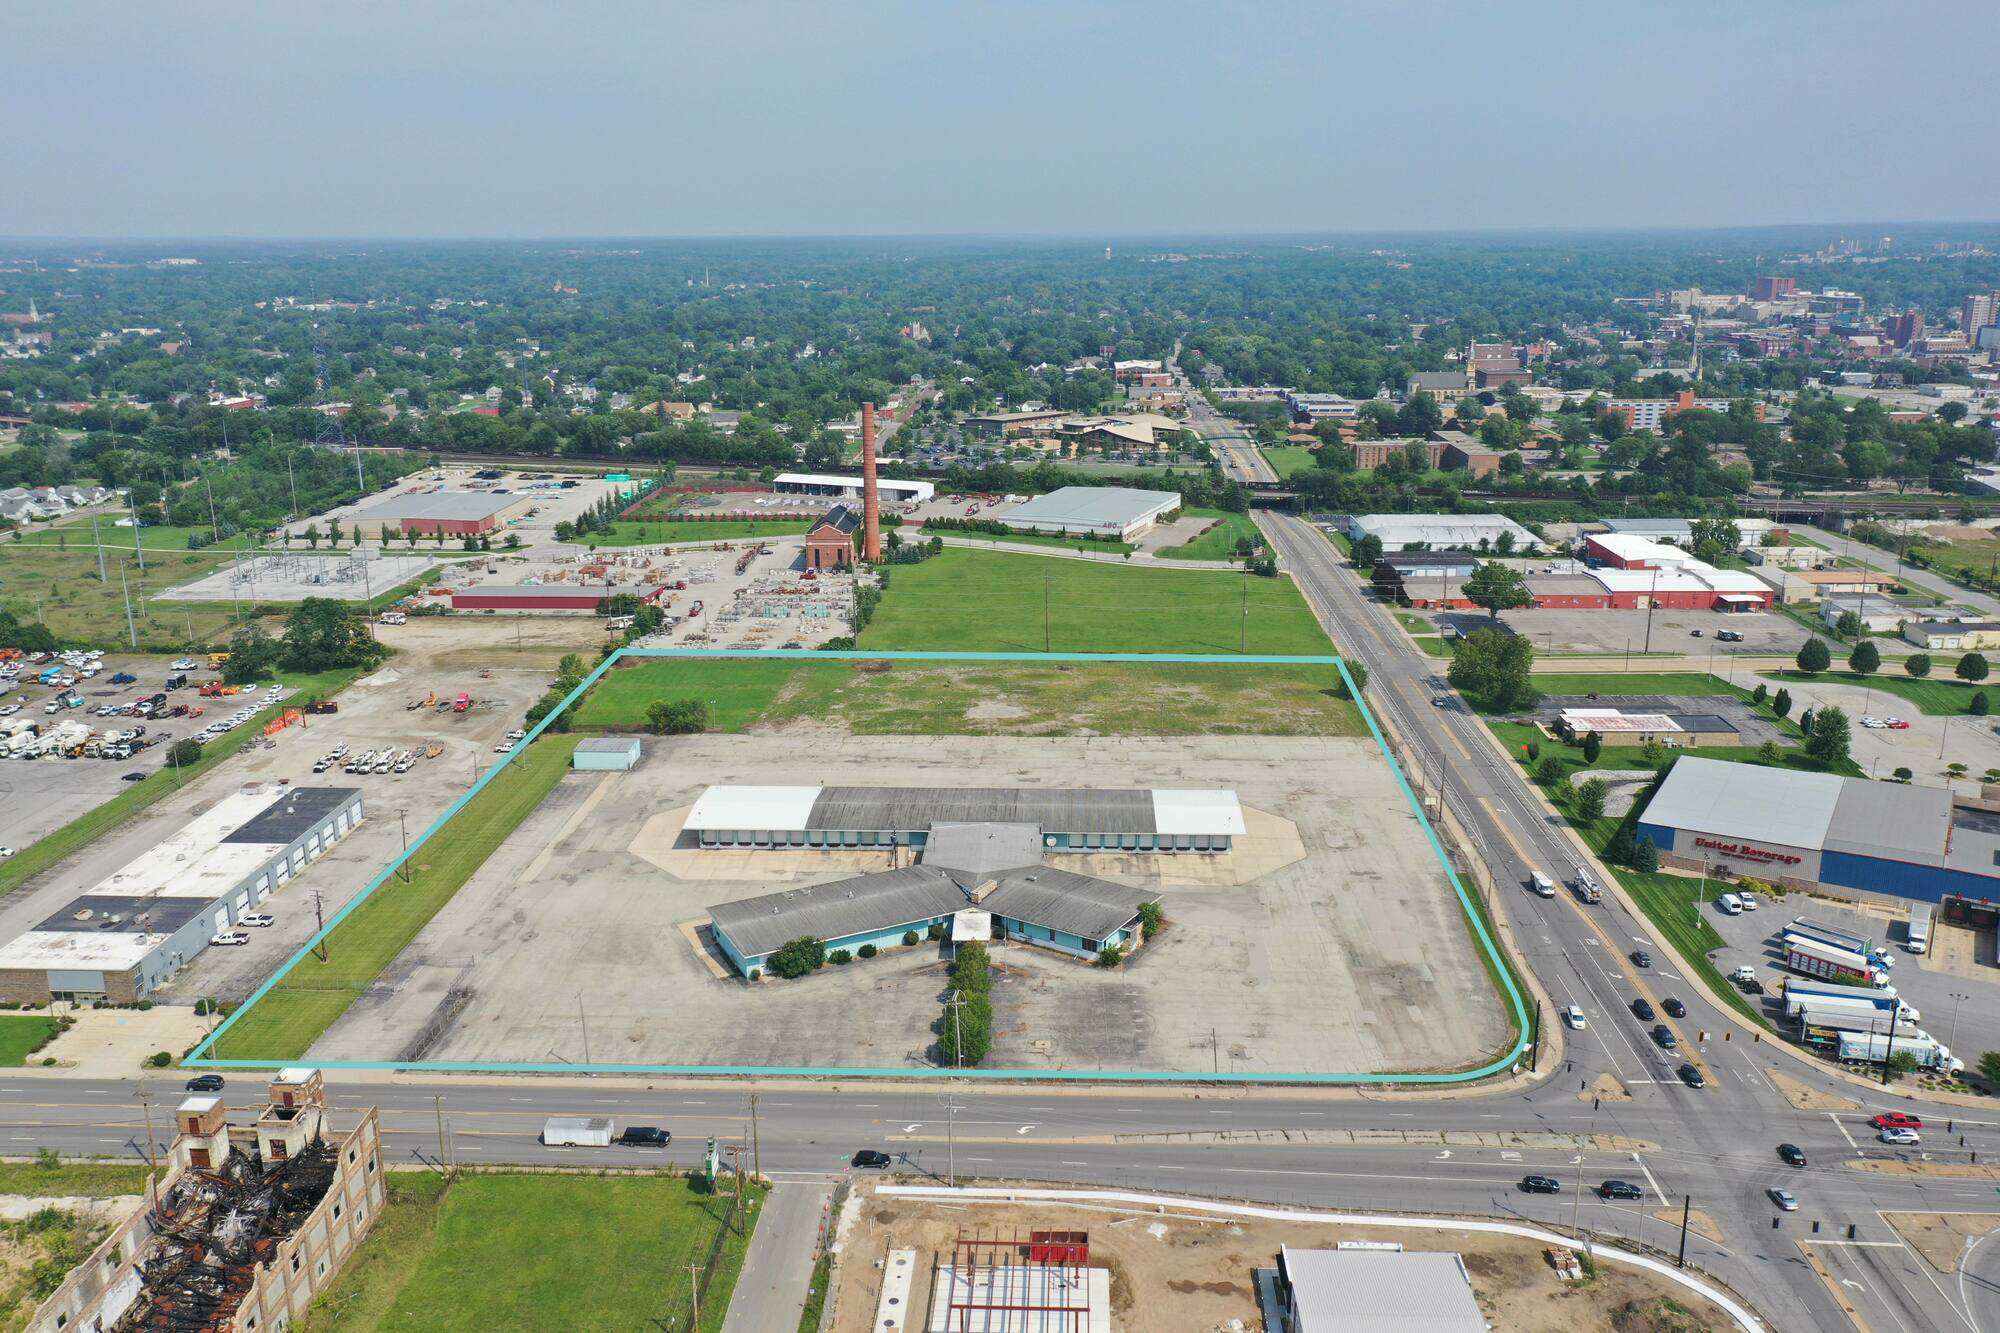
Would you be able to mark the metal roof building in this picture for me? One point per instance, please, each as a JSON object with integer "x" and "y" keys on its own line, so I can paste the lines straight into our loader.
{"x": 1819, "y": 830}
{"x": 1438, "y": 531}
{"x": 1102, "y": 511}
{"x": 820, "y": 483}
{"x": 133, "y": 930}
{"x": 1067, "y": 819}
{"x": 1376, "y": 1291}
{"x": 459, "y": 512}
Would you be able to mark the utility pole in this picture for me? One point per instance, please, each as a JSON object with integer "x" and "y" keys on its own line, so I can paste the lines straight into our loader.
{"x": 138, "y": 546}
{"x": 1889, "y": 1051}
{"x": 1045, "y": 612}
{"x": 694, "y": 1271}
{"x": 1687, "y": 1203}
{"x": 440, "y": 1124}
{"x": 1652, "y": 597}
{"x": 152, "y": 1171}
{"x": 1576, "y": 1202}
{"x": 214, "y": 528}
{"x": 584, "y": 1019}
{"x": 756, "y": 1142}
{"x": 319, "y": 915}
{"x": 130, "y": 629}
{"x": 97, "y": 540}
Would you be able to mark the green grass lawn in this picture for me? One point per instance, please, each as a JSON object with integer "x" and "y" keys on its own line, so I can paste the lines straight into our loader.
{"x": 1091, "y": 545}
{"x": 651, "y": 532}
{"x": 76, "y": 533}
{"x": 1286, "y": 459}
{"x": 996, "y": 601}
{"x": 86, "y": 828}
{"x": 1219, "y": 541}
{"x": 1633, "y": 682}
{"x": 985, "y": 699}
{"x": 20, "y": 1034}
{"x": 62, "y": 588}
{"x": 83, "y": 1180}
{"x": 1942, "y": 698}
{"x": 534, "y": 1252}
{"x": 309, "y": 998}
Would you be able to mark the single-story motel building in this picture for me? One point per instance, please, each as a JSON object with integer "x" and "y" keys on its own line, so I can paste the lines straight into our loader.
{"x": 1847, "y": 837}
{"x": 132, "y": 932}
{"x": 982, "y": 871}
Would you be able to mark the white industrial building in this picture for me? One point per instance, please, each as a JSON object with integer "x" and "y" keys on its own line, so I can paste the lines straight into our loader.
{"x": 1374, "y": 1289}
{"x": 1438, "y": 532}
{"x": 1119, "y": 512}
{"x": 849, "y": 488}
{"x": 133, "y": 931}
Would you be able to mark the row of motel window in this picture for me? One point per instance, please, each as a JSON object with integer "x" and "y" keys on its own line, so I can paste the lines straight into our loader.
{"x": 1071, "y": 842}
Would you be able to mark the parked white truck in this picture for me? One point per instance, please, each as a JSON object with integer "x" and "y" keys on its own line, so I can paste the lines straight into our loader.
{"x": 1928, "y": 1054}
{"x": 577, "y": 1131}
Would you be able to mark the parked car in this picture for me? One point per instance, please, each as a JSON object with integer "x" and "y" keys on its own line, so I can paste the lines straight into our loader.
{"x": 1573, "y": 1017}
{"x": 504, "y": 747}
{"x": 1895, "y": 724}
{"x": 1641, "y": 1010}
{"x": 1895, "y": 1120}
{"x": 1540, "y": 1185}
{"x": 1784, "y": 1199}
{"x": 1692, "y": 1076}
{"x": 6, "y": 852}
{"x": 132, "y": 777}
{"x": 228, "y": 937}
{"x": 871, "y": 1158}
{"x": 205, "y": 1083}
{"x": 1674, "y": 1008}
{"x": 645, "y": 1136}
{"x": 1791, "y": 1154}
{"x": 255, "y": 919}
{"x": 1620, "y": 1189}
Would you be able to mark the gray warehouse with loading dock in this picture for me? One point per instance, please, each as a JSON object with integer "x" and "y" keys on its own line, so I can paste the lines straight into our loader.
{"x": 133, "y": 931}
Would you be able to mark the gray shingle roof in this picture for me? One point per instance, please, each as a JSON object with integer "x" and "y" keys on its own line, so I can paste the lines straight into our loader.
{"x": 1055, "y": 811}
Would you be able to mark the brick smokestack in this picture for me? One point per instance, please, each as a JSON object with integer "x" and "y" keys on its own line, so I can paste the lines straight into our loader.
{"x": 871, "y": 500}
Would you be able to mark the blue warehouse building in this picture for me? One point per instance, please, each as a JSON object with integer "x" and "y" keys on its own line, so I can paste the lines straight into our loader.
{"x": 1848, "y": 836}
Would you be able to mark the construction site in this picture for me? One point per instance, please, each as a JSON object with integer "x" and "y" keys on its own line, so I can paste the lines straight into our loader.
{"x": 252, "y": 1221}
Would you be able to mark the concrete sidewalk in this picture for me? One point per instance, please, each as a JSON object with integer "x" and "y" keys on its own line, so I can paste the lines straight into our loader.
{"x": 771, "y": 1294}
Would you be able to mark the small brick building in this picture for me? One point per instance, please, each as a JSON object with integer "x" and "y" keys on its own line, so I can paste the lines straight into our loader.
{"x": 830, "y": 541}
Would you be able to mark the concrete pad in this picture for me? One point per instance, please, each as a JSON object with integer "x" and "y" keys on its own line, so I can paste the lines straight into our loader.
{"x": 1348, "y": 953}
{"x": 113, "y": 1043}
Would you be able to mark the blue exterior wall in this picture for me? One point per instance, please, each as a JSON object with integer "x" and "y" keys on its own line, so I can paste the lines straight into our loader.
{"x": 1029, "y": 933}
{"x": 602, "y": 762}
{"x": 1876, "y": 874}
{"x": 889, "y": 937}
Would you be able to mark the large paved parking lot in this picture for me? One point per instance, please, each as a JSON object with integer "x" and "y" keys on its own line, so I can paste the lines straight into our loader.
{"x": 1352, "y": 957}
{"x": 1611, "y": 633}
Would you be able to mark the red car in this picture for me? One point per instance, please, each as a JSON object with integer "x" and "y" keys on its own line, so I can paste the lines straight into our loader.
{"x": 1896, "y": 1120}
{"x": 1897, "y": 724}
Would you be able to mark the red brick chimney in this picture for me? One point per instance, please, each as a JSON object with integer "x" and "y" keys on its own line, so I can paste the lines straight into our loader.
{"x": 871, "y": 501}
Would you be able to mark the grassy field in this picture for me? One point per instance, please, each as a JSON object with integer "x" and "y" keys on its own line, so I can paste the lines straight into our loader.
{"x": 83, "y": 1180}
{"x": 62, "y": 588}
{"x": 993, "y": 601}
{"x": 1286, "y": 459}
{"x": 651, "y": 532}
{"x": 506, "y": 1251}
{"x": 1943, "y": 698}
{"x": 20, "y": 1034}
{"x": 75, "y": 533}
{"x": 1090, "y": 545}
{"x": 1009, "y": 698}
{"x": 86, "y": 828}
{"x": 307, "y": 1001}
{"x": 1219, "y": 542}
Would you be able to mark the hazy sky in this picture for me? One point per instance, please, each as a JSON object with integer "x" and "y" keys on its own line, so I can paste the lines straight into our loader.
{"x": 700, "y": 117}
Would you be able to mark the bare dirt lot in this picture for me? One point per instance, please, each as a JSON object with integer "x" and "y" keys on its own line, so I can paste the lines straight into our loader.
{"x": 1353, "y": 957}
{"x": 1186, "y": 1271}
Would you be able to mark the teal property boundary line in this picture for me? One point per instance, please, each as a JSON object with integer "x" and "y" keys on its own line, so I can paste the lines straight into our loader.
{"x": 200, "y": 1059}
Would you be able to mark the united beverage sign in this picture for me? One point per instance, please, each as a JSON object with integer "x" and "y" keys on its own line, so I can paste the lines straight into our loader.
{"x": 1748, "y": 852}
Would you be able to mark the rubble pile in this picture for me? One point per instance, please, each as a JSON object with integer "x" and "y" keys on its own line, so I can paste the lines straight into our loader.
{"x": 213, "y": 1229}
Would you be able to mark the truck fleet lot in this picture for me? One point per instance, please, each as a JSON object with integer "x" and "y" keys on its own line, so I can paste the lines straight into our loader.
{"x": 1351, "y": 955}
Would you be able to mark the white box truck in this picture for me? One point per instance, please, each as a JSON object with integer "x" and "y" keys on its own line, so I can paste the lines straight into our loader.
{"x": 577, "y": 1131}
{"x": 1874, "y": 1050}
{"x": 1917, "y": 935}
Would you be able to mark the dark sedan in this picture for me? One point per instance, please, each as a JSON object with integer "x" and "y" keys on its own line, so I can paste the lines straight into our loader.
{"x": 1642, "y": 1010}
{"x": 645, "y": 1136}
{"x": 205, "y": 1083}
{"x": 1620, "y": 1189}
{"x": 1791, "y": 1154}
{"x": 1540, "y": 1185}
{"x": 869, "y": 1157}
{"x": 1674, "y": 1008}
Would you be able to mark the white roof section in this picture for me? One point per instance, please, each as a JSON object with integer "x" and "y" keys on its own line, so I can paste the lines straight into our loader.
{"x": 1439, "y": 531}
{"x": 919, "y": 490}
{"x": 1649, "y": 580}
{"x": 751, "y": 807}
{"x": 198, "y": 1105}
{"x": 1208, "y": 810}
{"x": 80, "y": 950}
{"x": 1381, "y": 1291}
{"x": 1610, "y": 720}
{"x": 1749, "y": 801}
{"x": 1110, "y": 507}
{"x": 1631, "y": 546}
{"x": 195, "y": 862}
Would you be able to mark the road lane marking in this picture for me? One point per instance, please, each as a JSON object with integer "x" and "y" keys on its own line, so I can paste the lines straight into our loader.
{"x": 1658, "y": 1193}
{"x": 1843, "y": 1131}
